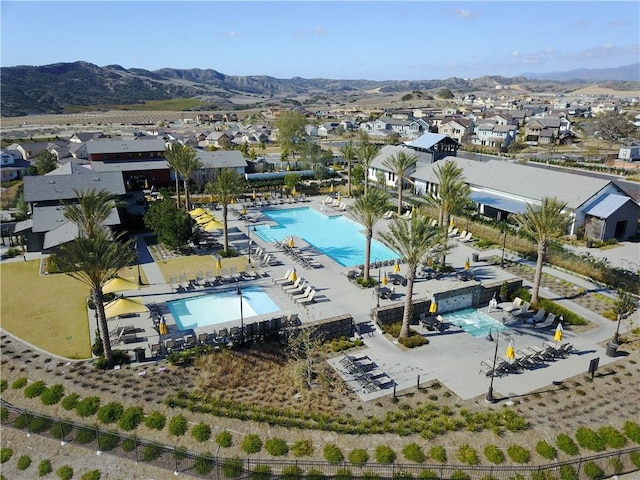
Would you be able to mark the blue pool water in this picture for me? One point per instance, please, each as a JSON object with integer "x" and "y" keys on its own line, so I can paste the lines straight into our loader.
{"x": 338, "y": 237}
{"x": 474, "y": 322}
{"x": 224, "y": 306}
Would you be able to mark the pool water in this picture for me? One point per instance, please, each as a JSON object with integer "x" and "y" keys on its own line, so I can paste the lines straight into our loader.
{"x": 474, "y": 322}
{"x": 338, "y": 237}
{"x": 221, "y": 307}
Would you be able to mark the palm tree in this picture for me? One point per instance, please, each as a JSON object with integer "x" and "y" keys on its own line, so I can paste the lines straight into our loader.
{"x": 187, "y": 165}
{"x": 93, "y": 260}
{"x": 368, "y": 209}
{"x": 178, "y": 157}
{"x": 227, "y": 186}
{"x": 413, "y": 241}
{"x": 349, "y": 153}
{"x": 543, "y": 224}
{"x": 366, "y": 153}
{"x": 400, "y": 164}
{"x": 91, "y": 210}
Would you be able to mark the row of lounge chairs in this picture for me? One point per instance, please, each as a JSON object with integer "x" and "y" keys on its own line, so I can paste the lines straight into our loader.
{"x": 531, "y": 358}
{"x": 366, "y": 373}
{"x": 208, "y": 279}
{"x": 300, "y": 291}
{"x": 298, "y": 255}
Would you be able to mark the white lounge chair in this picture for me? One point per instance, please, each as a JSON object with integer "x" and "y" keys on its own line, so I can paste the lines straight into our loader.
{"x": 307, "y": 299}
{"x": 547, "y": 322}
{"x": 453, "y": 232}
{"x": 388, "y": 215}
{"x": 467, "y": 238}
{"x": 461, "y": 236}
{"x": 302, "y": 295}
{"x": 523, "y": 310}
{"x": 538, "y": 317}
{"x": 283, "y": 279}
{"x": 511, "y": 306}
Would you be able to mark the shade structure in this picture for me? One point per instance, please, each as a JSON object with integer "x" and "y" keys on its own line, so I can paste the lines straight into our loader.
{"x": 212, "y": 226}
{"x": 204, "y": 218}
{"x": 291, "y": 242}
{"x": 294, "y": 275}
{"x": 385, "y": 280}
{"x": 467, "y": 265}
{"x": 119, "y": 284}
{"x": 196, "y": 212}
{"x": 396, "y": 268}
{"x": 163, "y": 329}
{"x": 124, "y": 306}
{"x": 511, "y": 350}
{"x": 558, "y": 335}
{"x": 433, "y": 308}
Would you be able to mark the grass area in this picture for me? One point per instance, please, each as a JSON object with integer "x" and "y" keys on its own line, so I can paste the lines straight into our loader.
{"x": 10, "y": 195}
{"x": 48, "y": 311}
{"x": 174, "y": 104}
{"x": 198, "y": 263}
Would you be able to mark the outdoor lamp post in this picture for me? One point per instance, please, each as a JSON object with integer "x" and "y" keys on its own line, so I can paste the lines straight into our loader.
{"x": 376, "y": 261}
{"x": 135, "y": 245}
{"x": 490, "y": 398}
{"x": 504, "y": 244}
{"x": 239, "y": 293}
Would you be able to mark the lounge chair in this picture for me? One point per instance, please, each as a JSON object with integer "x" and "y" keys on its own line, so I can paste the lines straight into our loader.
{"x": 388, "y": 215}
{"x": 453, "y": 232}
{"x": 537, "y": 318}
{"x": 461, "y": 236}
{"x": 306, "y": 293}
{"x": 523, "y": 310}
{"x": 284, "y": 279}
{"x": 543, "y": 353}
{"x": 511, "y": 306}
{"x": 189, "y": 341}
{"x": 200, "y": 279}
{"x": 466, "y": 238}
{"x": 308, "y": 299}
{"x": 291, "y": 285}
{"x": 555, "y": 350}
{"x": 547, "y": 322}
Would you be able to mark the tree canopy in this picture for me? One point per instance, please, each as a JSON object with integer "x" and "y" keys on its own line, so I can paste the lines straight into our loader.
{"x": 291, "y": 132}
{"x": 173, "y": 225}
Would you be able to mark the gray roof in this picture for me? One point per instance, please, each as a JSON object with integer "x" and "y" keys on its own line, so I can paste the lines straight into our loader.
{"x": 130, "y": 165}
{"x": 63, "y": 187}
{"x": 52, "y": 217}
{"x": 120, "y": 146}
{"x": 65, "y": 232}
{"x": 70, "y": 168}
{"x": 389, "y": 150}
{"x": 221, "y": 159}
{"x": 606, "y": 205}
{"x": 427, "y": 140}
{"x": 521, "y": 181}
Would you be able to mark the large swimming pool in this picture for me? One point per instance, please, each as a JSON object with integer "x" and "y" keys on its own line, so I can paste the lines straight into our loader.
{"x": 220, "y": 307}
{"x": 474, "y": 322}
{"x": 338, "y": 237}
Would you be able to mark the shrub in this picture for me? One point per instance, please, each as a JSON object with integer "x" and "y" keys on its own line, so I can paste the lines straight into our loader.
{"x": 402, "y": 474}
{"x": 494, "y": 454}
{"x": 70, "y": 401}
{"x": 302, "y": 448}
{"x": 61, "y": 430}
{"x": 110, "y": 413}
{"x": 438, "y": 454}
{"x": 291, "y": 472}
{"x": 414, "y": 453}
{"x": 616, "y": 465}
{"x": 370, "y": 475}
{"x": 612, "y": 437}
{"x": 635, "y": 458}
{"x": 21, "y": 421}
{"x": 155, "y": 420}
{"x": 589, "y": 439}
{"x": 343, "y": 474}
{"x": 545, "y": 450}
{"x": 413, "y": 341}
{"x": 91, "y": 475}
{"x": 201, "y": 432}
{"x": 224, "y": 439}
{"x": 38, "y": 424}
{"x": 261, "y": 472}
{"x": 131, "y": 418}
{"x": 88, "y": 406}
{"x": 128, "y": 445}
{"x": 85, "y": 435}
{"x": 203, "y": 464}
{"x": 428, "y": 475}
{"x": 44, "y": 468}
{"x": 35, "y": 389}
{"x": 518, "y": 454}
{"x": 567, "y": 472}
{"x": 593, "y": 470}
{"x": 178, "y": 425}
{"x": 65, "y": 472}
{"x": 232, "y": 467}
{"x": 24, "y": 462}
{"x": 332, "y": 453}
{"x": 151, "y": 452}
{"x": 251, "y": 443}
{"x": 632, "y": 430}
{"x": 5, "y": 454}
{"x": 4, "y": 414}
{"x": 468, "y": 455}
{"x": 52, "y": 395}
{"x": 460, "y": 475}
{"x": 107, "y": 441}
{"x": 314, "y": 474}
{"x": 566, "y": 444}
{"x": 276, "y": 447}
{"x": 3, "y": 385}
{"x": 384, "y": 454}
{"x": 19, "y": 383}
{"x": 358, "y": 456}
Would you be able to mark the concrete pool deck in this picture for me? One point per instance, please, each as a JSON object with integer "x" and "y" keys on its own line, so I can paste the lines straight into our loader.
{"x": 452, "y": 357}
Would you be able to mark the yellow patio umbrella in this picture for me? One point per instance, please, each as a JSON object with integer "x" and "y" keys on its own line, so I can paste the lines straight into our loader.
{"x": 291, "y": 243}
{"x": 196, "y": 212}
{"x": 219, "y": 265}
{"x": 558, "y": 335}
{"x": 511, "y": 351}
{"x": 163, "y": 329}
{"x": 288, "y": 167}
{"x": 124, "y": 306}
{"x": 243, "y": 211}
{"x": 294, "y": 276}
{"x": 451, "y": 222}
{"x": 254, "y": 195}
{"x": 396, "y": 267}
{"x": 339, "y": 197}
{"x": 433, "y": 308}
{"x": 204, "y": 218}
{"x": 294, "y": 192}
{"x": 212, "y": 226}
{"x": 467, "y": 265}
{"x": 119, "y": 284}
{"x": 385, "y": 280}
{"x": 331, "y": 189}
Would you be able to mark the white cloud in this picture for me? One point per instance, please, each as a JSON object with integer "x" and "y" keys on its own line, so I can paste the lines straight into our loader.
{"x": 462, "y": 13}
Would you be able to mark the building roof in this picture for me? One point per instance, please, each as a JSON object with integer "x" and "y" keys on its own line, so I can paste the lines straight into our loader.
{"x": 130, "y": 165}
{"x": 49, "y": 218}
{"x": 122, "y": 146}
{"x": 390, "y": 150}
{"x": 221, "y": 159}
{"x": 427, "y": 140}
{"x": 606, "y": 205}
{"x": 63, "y": 187}
{"x": 70, "y": 168}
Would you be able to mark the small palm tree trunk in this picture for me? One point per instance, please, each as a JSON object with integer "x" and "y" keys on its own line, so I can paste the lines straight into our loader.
{"x": 537, "y": 276}
{"x": 177, "y": 190}
{"x": 367, "y": 254}
{"x": 408, "y": 303}
{"x": 225, "y": 210}
{"x": 103, "y": 328}
{"x": 400, "y": 196}
{"x": 187, "y": 203}
{"x": 349, "y": 178}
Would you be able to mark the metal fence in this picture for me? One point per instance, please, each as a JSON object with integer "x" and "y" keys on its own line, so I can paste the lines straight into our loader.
{"x": 203, "y": 465}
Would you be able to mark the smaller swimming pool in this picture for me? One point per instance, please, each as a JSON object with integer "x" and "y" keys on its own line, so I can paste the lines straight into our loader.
{"x": 474, "y": 322}
{"x": 220, "y": 307}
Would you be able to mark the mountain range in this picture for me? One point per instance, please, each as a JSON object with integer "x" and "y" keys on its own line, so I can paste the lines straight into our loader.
{"x": 57, "y": 87}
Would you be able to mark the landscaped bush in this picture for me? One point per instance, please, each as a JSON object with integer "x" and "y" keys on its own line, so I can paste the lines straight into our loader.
{"x": 468, "y": 455}
{"x": 24, "y": 462}
{"x": 201, "y": 432}
{"x": 590, "y": 439}
{"x": 3, "y": 385}
{"x": 178, "y": 425}
{"x": 460, "y": 475}
{"x": 91, "y": 475}
{"x": 251, "y": 444}
{"x": 151, "y": 452}
{"x": 52, "y": 395}
{"x": 413, "y": 452}
{"x": 402, "y": 474}
{"x": 567, "y": 472}
{"x": 224, "y": 439}
{"x": 616, "y": 465}
{"x": 155, "y": 420}
{"x": 35, "y": 389}
{"x": 5, "y": 454}
{"x": 61, "y": 430}
{"x": 203, "y": 464}
{"x": 261, "y": 472}
{"x": 370, "y": 475}
{"x": 276, "y": 447}
{"x": 88, "y": 406}
{"x": 128, "y": 445}
{"x": 545, "y": 450}
{"x": 232, "y": 467}
{"x": 593, "y": 470}
{"x": 438, "y": 453}
{"x": 21, "y": 421}
{"x": 514, "y": 422}
{"x": 566, "y": 444}
{"x": 332, "y": 453}
{"x": 518, "y": 454}
{"x": 4, "y": 413}
{"x": 412, "y": 341}
{"x": 384, "y": 454}
{"x": 343, "y": 474}
{"x": 612, "y": 437}
{"x": 70, "y": 401}
{"x": 302, "y": 448}
{"x": 85, "y": 435}
{"x": 107, "y": 441}
{"x": 428, "y": 475}
{"x": 315, "y": 474}
{"x": 110, "y": 413}
{"x": 359, "y": 456}
{"x": 291, "y": 472}
{"x": 632, "y": 430}
{"x": 39, "y": 424}
{"x": 131, "y": 418}
{"x": 44, "y": 468}
{"x": 19, "y": 383}
{"x": 635, "y": 458}
{"x": 65, "y": 472}
{"x": 494, "y": 454}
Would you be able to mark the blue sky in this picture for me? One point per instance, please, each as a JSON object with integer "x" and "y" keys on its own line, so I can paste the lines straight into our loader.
{"x": 383, "y": 40}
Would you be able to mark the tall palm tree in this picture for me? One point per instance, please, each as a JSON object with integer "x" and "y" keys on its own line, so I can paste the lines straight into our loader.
{"x": 177, "y": 156}
{"x": 93, "y": 260}
{"x": 366, "y": 153}
{"x": 400, "y": 164}
{"x": 349, "y": 153}
{"x": 91, "y": 210}
{"x": 226, "y": 188}
{"x": 543, "y": 224}
{"x": 368, "y": 210}
{"x": 187, "y": 165}
{"x": 413, "y": 241}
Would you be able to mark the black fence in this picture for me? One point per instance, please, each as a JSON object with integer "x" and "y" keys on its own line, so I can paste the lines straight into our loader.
{"x": 202, "y": 465}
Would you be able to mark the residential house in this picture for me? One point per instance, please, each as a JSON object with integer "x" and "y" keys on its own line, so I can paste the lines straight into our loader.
{"x": 459, "y": 129}
{"x": 435, "y": 146}
{"x": 546, "y": 130}
{"x": 630, "y": 153}
{"x": 83, "y": 137}
{"x": 377, "y": 165}
{"x": 216, "y": 139}
{"x": 12, "y": 165}
{"x": 216, "y": 161}
{"x": 493, "y": 135}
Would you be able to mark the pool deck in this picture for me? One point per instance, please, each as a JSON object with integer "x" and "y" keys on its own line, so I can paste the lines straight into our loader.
{"x": 452, "y": 357}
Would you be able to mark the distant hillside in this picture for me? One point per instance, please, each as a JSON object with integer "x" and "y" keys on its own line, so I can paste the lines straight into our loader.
{"x": 628, "y": 73}
{"x": 28, "y": 90}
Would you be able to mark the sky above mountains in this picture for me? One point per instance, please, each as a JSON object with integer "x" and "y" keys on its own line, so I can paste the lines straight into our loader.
{"x": 372, "y": 40}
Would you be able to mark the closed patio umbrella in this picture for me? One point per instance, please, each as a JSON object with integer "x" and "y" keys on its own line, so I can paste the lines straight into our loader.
{"x": 396, "y": 268}
{"x": 433, "y": 308}
{"x": 511, "y": 351}
{"x": 291, "y": 243}
{"x": 219, "y": 265}
{"x": 467, "y": 265}
{"x": 196, "y": 212}
{"x": 124, "y": 306}
{"x": 558, "y": 335}
{"x": 294, "y": 275}
{"x": 119, "y": 284}
{"x": 385, "y": 280}
{"x": 212, "y": 226}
